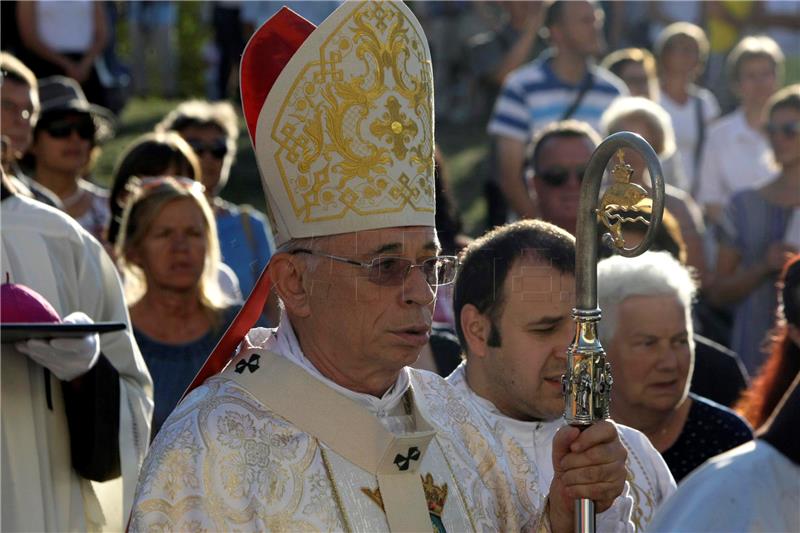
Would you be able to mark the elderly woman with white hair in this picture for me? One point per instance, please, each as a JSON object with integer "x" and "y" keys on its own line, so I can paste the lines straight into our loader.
{"x": 647, "y": 331}
{"x": 653, "y": 123}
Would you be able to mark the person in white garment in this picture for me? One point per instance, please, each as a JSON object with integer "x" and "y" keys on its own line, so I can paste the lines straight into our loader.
{"x": 75, "y": 412}
{"x": 513, "y": 295}
{"x": 754, "y": 487}
{"x": 320, "y": 424}
{"x": 738, "y": 155}
{"x": 648, "y": 335}
{"x": 681, "y": 52}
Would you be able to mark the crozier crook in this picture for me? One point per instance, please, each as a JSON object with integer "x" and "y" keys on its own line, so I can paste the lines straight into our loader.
{"x": 587, "y": 382}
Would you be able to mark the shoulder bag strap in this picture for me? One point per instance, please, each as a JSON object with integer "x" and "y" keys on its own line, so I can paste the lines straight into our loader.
{"x": 587, "y": 84}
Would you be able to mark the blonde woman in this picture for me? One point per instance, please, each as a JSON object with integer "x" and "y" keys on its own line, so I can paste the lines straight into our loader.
{"x": 169, "y": 255}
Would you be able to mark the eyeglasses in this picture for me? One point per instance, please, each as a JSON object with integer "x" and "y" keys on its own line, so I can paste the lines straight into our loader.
{"x": 556, "y": 177}
{"x": 61, "y": 129}
{"x": 788, "y": 129}
{"x": 218, "y": 149}
{"x": 392, "y": 271}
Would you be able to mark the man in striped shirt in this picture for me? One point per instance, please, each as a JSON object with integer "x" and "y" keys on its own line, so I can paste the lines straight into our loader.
{"x": 562, "y": 83}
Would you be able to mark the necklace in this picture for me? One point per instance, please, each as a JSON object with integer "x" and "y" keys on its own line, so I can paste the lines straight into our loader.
{"x": 73, "y": 199}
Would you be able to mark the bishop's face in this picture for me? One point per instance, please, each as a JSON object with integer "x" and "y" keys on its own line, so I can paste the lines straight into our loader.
{"x": 363, "y": 327}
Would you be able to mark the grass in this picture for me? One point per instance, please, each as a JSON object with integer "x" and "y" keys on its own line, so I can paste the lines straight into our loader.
{"x": 464, "y": 147}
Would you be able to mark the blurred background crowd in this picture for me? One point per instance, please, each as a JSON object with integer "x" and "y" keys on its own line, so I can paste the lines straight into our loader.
{"x": 125, "y": 115}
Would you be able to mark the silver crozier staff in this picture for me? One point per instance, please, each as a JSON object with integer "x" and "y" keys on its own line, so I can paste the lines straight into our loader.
{"x": 587, "y": 382}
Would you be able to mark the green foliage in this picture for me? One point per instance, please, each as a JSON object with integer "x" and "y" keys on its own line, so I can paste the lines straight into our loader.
{"x": 192, "y": 33}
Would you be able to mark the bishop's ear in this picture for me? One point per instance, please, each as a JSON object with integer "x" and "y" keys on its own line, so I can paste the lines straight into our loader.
{"x": 476, "y": 328}
{"x": 286, "y": 272}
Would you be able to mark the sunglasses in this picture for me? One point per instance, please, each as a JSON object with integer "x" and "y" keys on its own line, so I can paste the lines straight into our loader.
{"x": 392, "y": 271}
{"x": 788, "y": 129}
{"x": 556, "y": 177}
{"x": 148, "y": 183}
{"x": 61, "y": 129}
{"x": 218, "y": 149}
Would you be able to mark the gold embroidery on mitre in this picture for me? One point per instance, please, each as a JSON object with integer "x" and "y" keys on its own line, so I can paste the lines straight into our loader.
{"x": 354, "y": 136}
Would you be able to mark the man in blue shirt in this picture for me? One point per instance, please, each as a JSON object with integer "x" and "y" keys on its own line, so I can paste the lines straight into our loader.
{"x": 562, "y": 83}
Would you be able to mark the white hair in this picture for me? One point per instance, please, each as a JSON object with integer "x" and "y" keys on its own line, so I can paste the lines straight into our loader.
{"x": 650, "y": 274}
{"x": 637, "y": 107}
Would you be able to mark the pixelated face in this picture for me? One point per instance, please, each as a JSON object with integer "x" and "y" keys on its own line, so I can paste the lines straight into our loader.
{"x": 173, "y": 251}
{"x": 64, "y": 145}
{"x": 757, "y": 80}
{"x": 535, "y": 328}
{"x": 635, "y": 77}
{"x": 558, "y": 199}
{"x": 364, "y": 324}
{"x": 581, "y": 28}
{"x": 16, "y": 119}
{"x": 784, "y": 135}
{"x": 210, "y": 145}
{"x": 681, "y": 56}
{"x": 650, "y": 355}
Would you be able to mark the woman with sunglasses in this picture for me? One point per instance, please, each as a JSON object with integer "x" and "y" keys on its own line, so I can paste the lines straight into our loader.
{"x": 245, "y": 236}
{"x": 65, "y": 137}
{"x": 169, "y": 254}
{"x": 152, "y": 154}
{"x": 756, "y": 237}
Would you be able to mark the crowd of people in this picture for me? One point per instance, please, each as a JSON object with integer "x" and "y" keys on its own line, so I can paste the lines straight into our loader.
{"x": 358, "y": 302}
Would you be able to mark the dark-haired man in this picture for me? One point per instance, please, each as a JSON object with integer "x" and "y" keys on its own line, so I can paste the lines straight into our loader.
{"x": 513, "y": 300}
{"x": 556, "y": 159}
{"x": 560, "y": 84}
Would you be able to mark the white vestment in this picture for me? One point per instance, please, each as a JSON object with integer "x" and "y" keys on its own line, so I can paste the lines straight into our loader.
{"x": 225, "y": 461}
{"x": 751, "y": 488}
{"x": 528, "y": 448}
{"x": 49, "y": 252}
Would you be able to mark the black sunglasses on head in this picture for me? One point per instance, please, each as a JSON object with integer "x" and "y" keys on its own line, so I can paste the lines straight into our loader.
{"x": 556, "y": 177}
{"x": 63, "y": 128}
{"x": 218, "y": 148}
{"x": 788, "y": 129}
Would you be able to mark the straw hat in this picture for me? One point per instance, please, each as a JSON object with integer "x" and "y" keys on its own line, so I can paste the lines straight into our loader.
{"x": 60, "y": 93}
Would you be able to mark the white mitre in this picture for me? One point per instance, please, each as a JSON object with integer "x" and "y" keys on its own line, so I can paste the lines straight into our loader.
{"x": 344, "y": 138}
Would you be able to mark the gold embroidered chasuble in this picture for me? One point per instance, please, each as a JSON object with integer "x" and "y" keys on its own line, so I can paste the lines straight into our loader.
{"x": 527, "y": 448}
{"x": 226, "y": 461}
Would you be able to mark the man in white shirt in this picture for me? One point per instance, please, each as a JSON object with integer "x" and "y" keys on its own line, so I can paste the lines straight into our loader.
{"x": 513, "y": 298}
{"x": 737, "y": 154}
